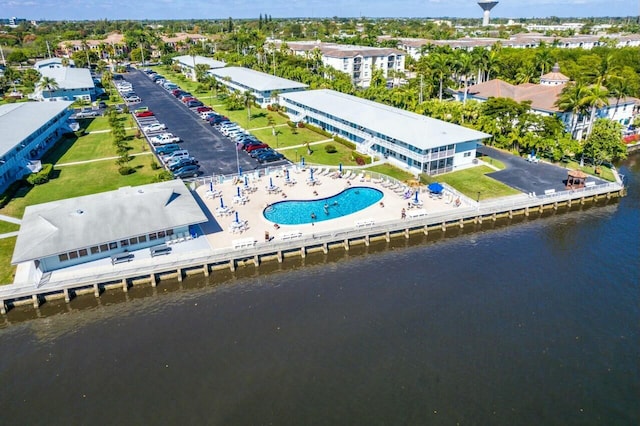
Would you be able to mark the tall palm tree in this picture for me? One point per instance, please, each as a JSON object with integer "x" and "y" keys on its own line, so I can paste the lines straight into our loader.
{"x": 48, "y": 84}
{"x": 595, "y": 98}
{"x": 570, "y": 100}
{"x": 544, "y": 60}
{"x": 440, "y": 66}
{"x": 248, "y": 99}
{"x": 464, "y": 65}
{"x": 479, "y": 59}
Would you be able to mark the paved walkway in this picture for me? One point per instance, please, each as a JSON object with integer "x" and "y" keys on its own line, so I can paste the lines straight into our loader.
{"x": 9, "y": 235}
{"x": 10, "y": 219}
{"x": 109, "y": 130}
{"x": 303, "y": 145}
{"x": 73, "y": 163}
{"x": 267, "y": 127}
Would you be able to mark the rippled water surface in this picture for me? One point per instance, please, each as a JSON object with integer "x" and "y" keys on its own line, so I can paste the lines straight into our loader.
{"x": 532, "y": 323}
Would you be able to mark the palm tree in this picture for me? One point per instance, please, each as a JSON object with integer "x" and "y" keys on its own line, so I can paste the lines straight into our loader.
{"x": 544, "y": 60}
{"x": 464, "y": 66}
{"x": 619, "y": 88}
{"x": 595, "y": 98}
{"x": 570, "y": 100}
{"x": 440, "y": 66}
{"x": 248, "y": 99}
{"x": 48, "y": 84}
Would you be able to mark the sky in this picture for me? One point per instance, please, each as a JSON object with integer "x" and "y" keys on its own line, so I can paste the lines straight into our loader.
{"x": 212, "y": 9}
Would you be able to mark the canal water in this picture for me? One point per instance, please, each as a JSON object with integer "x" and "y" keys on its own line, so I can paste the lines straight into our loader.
{"x": 532, "y": 323}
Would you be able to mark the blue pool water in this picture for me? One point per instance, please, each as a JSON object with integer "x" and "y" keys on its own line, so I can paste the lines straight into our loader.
{"x": 297, "y": 212}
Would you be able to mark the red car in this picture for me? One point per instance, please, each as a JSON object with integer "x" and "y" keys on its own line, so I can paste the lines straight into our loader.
{"x": 176, "y": 92}
{"x": 256, "y": 146}
{"x": 203, "y": 109}
{"x": 144, "y": 114}
{"x": 187, "y": 99}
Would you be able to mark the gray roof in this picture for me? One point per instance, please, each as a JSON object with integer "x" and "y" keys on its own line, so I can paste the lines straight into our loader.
{"x": 69, "y": 78}
{"x": 51, "y": 62}
{"x": 19, "y": 120}
{"x": 256, "y": 80}
{"x": 417, "y": 130}
{"x": 65, "y": 225}
{"x": 188, "y": 61}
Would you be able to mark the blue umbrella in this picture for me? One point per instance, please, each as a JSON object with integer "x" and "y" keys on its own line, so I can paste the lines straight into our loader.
{"x": 287, "y": 173}
{"x": 311, "y": 173}
{"x": 270, "y": 183}
{"x": 211, "y": 186}
{"x": 416, "y": 196}
{"x": 302, "y": 161}
{"x": 246, "y": 180}
{"x": 221, "y": 203}
{"x": 240, "y": 171}
{"x": 238, "y": 191}
{"x": 340, "y": 167}
{"x": 237, "y": 219}
{"x": 435, "y": 187}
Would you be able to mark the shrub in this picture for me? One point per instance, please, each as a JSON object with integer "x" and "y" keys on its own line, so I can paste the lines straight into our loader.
{"x": 300, "y": 124}
{"x": 344, "y": 142}
{"x": 361, "y": 160}
{"x": 126, "y": 170}
{"x": 164, "y": 176}
{"x": 154, "y": 165}
{"x": 425, "y": 179}
{"x": 10, "y": 192}
{"x": 42, "y": 176}
{"x": 330, "y": 149}
{"x": 291, "y": 123}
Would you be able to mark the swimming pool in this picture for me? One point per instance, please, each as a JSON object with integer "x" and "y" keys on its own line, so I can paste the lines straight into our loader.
{"x": 297, "y": 212}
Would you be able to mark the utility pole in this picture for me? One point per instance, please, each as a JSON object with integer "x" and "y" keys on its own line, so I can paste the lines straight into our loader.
{"x": 48, "y": 48}
{"x": 421, "y": 99}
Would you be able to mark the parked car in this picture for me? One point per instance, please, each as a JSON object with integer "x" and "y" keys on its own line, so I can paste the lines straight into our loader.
{"x": 187, "y": 99}
{"x": 167, "y": 149}
{"x": 187, "y": 171}
{"x": 183, "y": 95}
{"x": 102, "y": 104}
{"x": 203, "y": 109}
{"x": 144, "y": 114}
{"x": 194, "y": 103}
{"x": 140, "y": 109}
{"x": 206, "y": 115}
{"x": 258, "y": 152}
{"x": 176, "y": 92}
{"x": 164, "y": 138}
{"x": 256, "y": 146}
{"x": 217, "y": 120}
{"x": 155, "y": 127}
{"x": 86, "y": 114}
{"x": 181, "y": 153}
{"x": 178, "y": 164}
{"x": 132, "y": 99}
{"x": 270, "y": 157}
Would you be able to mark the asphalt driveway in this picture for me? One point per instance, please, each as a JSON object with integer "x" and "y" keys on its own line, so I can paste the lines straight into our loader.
{"x": 215, "y": 153}
{"x": 528, "y": 177}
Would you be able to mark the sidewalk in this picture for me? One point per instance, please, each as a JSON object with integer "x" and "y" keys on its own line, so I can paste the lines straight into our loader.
{"x": 99, "y": 159}
{"x": 10, "y": 219}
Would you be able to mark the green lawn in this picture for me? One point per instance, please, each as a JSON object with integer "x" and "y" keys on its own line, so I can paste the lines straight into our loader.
{"x": 259, "y": 117}
{"x": 81, "y": 179}
{"x": 606, "y": 173}
{"x": 285, "y": 138}
{"x": 320, "y": 156}
{"x": 102, "y": 123}
{"x": 7, "y": 270}
{"x": 394, "y": 172}
{"x": 8, "y": 227}
{"x": 181, "y": 80}
{"x": 89, "y": 147}
{"x": 473, "y": 180}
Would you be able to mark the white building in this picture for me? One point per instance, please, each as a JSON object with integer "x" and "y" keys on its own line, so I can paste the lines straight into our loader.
{"x": 415, "y": 142}
{"x": 356, "y": 61}
{"x": 53, "y": 63}
{"x": 77, "y": 230}
{"x": 29, "y": 129}
{"x": 73, "y": 83}
{"x": 188, "y": 64}
{"x": 261, "y": 85}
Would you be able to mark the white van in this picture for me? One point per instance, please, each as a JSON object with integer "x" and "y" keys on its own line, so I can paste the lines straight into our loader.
{"x": 181, "y": 153}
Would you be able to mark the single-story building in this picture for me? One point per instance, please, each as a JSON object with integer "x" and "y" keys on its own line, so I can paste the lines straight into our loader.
{"x": 53, "y": 63}
{"x": 73, "y": 83}
{"x": 188, "y": 63}
{"x": 29, "y": 129}
{"x": 77, "y": 230}
{"x": 263, "y": 86}
{"x": 418, "y": 143}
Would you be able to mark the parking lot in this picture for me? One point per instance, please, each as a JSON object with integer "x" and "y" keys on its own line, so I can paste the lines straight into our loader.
{"x": 215, "y": 153}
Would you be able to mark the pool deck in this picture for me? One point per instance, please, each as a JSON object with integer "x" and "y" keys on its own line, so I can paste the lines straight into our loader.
{"x": 260, "y": 198}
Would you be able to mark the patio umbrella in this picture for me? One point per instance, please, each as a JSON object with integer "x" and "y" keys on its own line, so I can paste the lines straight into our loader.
{"x": 416, "y": 200}
{"x": 286, "y": 172}
{"x": 302, "y": 162}
{"x": 237, "y": 219}
{"x": 221, "y": 203}
{"x": 240, "y": 171}
{"x": 246, "y": 180}
{"x": 211, "y": 186}
{"x": 270, "y": 182}
{"x": 340, "y": 167}
{"x": 435, "y": 187}
{"x": 238, "y": 191}
{"x": 311, "y": 174}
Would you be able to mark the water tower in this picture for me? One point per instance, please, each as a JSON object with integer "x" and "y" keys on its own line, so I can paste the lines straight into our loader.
{"x": 486, "y": 5}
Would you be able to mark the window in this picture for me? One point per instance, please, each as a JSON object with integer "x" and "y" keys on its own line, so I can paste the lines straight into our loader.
{"x": 161, "y": 234}
{"x": 467, "y": 154}
{"x": 170, "y": 232}
{"x": 133, "y": 241}
{"x": 62, "y": 257}
{"x": 73, "y": 255}
{"x": 104, "y": 247}
{"x": 142, "y": 238}
{"x": 95, "y": 250}
{"x": 124, "y": 243}
{"x": 82, "y": 252}
{"x": 153, "y": 236}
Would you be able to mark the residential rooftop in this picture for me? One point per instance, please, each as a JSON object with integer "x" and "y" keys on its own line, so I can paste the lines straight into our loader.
{"x": 69, "y": 78}
{"x": 256, "y": 80}
{"x": 188, "y": 60}
{"x": 418, "y": 130}
{"x": 18, "y": 121}
{"x": 65, "y": 225}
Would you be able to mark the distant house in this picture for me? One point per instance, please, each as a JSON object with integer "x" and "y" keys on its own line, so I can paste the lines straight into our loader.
{"x": 29, "y": 129}
{"x": 73, "y": 83}
{"x": 262, "y": 86}
{"x": 543, "y": 98}
{"x": 187, "y": 63}
{"x": 77, "y": 230}
{"x": 358, "y": 62}
{"x": 53, "y": 63}
{"x": 108, "y": 48}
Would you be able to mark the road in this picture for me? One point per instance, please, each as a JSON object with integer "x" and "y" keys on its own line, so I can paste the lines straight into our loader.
{"x": 215, "y": 152}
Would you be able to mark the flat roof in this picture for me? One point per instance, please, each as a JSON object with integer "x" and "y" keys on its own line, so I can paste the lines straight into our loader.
{"x": 418, "y": 130}
{"x": 257, "y": 80}
{"x": 69, "y": 78}
{"x": 66, "y": 225}
{"x": 188, "y": 61}
{"x": 21, "y": 119}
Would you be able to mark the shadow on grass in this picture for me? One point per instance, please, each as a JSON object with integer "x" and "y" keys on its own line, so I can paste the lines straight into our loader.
{"x": 60, "y": 148}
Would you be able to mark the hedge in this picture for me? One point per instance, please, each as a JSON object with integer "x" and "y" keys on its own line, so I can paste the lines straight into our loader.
{"x": 10, "y": 193}
{"x": 42, "y": 176}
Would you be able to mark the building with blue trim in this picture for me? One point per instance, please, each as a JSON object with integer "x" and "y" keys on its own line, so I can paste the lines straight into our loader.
{"x": 29, "y": 129}
{"x": 411, "y": 141}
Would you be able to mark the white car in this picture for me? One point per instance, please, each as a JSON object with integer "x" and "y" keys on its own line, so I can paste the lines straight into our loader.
{"x": 155, "y": 127}
{"x": 86, "y": 114}
{"x": 164, "y": 139}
